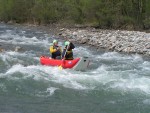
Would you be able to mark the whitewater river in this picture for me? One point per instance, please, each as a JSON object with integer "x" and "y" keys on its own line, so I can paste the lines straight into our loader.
{"x": 113, "y": 83}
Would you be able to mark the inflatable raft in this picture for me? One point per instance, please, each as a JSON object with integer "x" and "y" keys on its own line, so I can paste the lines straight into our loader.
{"x": 79, "y": 64}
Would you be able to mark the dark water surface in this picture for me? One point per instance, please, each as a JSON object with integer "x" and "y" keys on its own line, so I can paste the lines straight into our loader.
{"x": 114, "y": 82}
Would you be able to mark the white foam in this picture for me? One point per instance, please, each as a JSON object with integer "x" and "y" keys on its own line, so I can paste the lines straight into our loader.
{"x": 48, "y": 92}
{"x": 133, "y": 83}
{"x": 132, "y": 76}
{"x": 12, "y": 57}
{"x": 22, "y": 40}
{"x": 93, "y": 79}
{"x": 146, "y": 101}
{"x": 3, "y": 87}
{"x": 51, "y": 90}
{"x": 15, "y": 68}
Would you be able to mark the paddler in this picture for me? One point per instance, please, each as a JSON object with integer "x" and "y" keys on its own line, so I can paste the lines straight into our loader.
{"x": 55, "y": 50}
{"x": 67, "y": 53}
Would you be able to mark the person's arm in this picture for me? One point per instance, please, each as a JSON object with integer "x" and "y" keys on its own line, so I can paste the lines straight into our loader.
{"x": 52, "y": 50}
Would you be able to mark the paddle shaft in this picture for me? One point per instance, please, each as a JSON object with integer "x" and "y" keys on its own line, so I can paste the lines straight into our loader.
{"x": 66, "y": 51}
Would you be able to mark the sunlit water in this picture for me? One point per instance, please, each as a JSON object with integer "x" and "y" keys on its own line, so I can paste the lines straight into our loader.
{"x": 113, "y": 83}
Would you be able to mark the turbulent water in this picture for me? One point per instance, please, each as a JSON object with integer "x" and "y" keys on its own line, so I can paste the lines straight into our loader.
{"x": 113, "y": 83}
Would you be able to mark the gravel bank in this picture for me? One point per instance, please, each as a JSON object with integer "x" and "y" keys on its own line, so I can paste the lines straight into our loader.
{"x": 115, "y": 40}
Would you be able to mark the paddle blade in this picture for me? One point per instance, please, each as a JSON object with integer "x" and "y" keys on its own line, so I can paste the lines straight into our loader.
{"x": 60, "y": 67}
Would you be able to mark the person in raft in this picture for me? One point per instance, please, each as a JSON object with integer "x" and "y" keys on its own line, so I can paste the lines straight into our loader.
{"x": 67, "y": 53}
{"x": 55, "y": 50}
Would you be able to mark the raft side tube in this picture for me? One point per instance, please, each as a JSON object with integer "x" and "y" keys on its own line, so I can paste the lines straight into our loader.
{"x": 58, "y": 62}
{"x": 82, "y": 65}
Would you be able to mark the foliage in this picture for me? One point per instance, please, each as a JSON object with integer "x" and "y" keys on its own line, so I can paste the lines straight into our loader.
{"x": 98, "y": 13}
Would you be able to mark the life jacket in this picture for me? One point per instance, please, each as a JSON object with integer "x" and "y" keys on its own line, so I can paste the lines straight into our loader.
{"x": 54, "y": 52}
{"x": 69, "y": 54}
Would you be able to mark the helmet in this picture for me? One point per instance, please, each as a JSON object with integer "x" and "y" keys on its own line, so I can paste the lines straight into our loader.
{"x": 67, "y": 43}
{"x": 54, "y": 41}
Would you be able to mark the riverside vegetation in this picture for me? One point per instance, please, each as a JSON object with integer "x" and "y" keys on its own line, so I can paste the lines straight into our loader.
{"x": 112, "y": 14}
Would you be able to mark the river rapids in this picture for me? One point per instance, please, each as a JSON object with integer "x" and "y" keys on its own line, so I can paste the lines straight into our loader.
{"x": 113, "y": 83}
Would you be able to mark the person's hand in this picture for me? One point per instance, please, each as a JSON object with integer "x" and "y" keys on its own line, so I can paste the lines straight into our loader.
{"x": 58, "y": 48}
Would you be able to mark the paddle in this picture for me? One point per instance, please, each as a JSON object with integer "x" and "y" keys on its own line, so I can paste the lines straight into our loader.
{"x": 60, "y": 67}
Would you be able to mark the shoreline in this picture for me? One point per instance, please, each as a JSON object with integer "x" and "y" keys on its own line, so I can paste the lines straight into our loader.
{"x": 134, "y": 42}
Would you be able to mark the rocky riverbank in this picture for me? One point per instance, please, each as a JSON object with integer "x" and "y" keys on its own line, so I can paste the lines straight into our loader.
{"x": 114, "y": 40}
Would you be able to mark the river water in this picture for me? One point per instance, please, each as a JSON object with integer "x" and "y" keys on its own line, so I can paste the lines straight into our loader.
{"x": 113, "y": 83}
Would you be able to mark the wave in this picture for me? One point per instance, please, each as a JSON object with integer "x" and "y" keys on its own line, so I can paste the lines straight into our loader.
{"x": 107, "y": 71}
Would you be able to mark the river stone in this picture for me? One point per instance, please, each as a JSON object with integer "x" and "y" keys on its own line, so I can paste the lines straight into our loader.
{"x": 123, "y": 41}
{"x": 83, "y": 41}
{"x": 1, "y": 49}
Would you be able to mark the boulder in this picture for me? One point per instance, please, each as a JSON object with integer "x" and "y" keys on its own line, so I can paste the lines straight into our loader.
{"x": 1, "y": 50}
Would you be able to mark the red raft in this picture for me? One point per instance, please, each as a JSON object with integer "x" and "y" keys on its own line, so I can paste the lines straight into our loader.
{"x": 56, "y": 62}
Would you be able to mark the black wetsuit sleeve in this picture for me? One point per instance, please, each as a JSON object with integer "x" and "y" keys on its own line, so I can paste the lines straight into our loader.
{"x": 72, "y": 46}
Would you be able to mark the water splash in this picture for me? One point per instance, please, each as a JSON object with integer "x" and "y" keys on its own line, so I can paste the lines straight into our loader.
{"x": 109, "y": 70}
